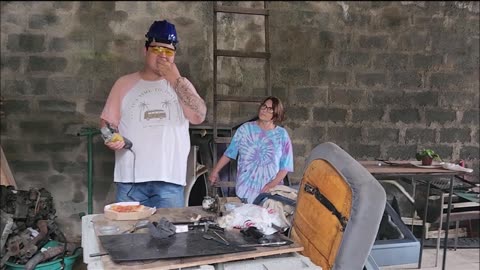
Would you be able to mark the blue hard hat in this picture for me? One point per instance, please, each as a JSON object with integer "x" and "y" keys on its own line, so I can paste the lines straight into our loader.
{"x": 162, "y": 31}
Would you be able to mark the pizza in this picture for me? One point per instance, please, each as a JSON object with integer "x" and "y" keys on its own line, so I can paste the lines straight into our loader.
{"x": 126, "y": 208}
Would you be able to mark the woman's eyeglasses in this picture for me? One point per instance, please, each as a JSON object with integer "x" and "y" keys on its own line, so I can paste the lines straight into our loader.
{"x": 161, "y": 49}
{"x": 268, "y": 109}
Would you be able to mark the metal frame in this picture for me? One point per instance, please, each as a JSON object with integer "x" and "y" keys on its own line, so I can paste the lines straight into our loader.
{"x": 428, "y": 180}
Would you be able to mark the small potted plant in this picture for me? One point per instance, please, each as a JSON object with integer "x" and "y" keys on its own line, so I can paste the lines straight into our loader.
{"x": 427, "y": 156}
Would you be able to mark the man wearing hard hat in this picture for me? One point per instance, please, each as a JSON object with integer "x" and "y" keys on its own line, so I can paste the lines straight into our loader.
{"x": 153, "y": 108}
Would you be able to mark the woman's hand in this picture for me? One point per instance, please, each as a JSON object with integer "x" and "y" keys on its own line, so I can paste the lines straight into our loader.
{"x": 115, "y": 145}
{"x": 268, "y": 186}
{"x": 213, "y": 177}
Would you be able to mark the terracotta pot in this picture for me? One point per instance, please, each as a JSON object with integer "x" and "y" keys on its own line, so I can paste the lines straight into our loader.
{"x": 427, "y": 161}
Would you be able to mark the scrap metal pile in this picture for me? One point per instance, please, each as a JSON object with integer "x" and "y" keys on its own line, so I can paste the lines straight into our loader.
{"x": 27, "y": 224}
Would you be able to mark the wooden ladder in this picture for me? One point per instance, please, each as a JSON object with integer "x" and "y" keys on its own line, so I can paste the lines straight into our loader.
{"x": 236, "y": 53}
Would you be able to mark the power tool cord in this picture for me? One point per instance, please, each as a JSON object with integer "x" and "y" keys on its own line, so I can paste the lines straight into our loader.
{"x": 133, "y": 183}
{"x": 133, "y": 174}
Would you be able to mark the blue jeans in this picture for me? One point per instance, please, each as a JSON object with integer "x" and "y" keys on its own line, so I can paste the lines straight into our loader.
{"x": 157, "y": 194}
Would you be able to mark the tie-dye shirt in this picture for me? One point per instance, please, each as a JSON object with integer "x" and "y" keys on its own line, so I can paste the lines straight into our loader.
{"x": 262, "y": 154}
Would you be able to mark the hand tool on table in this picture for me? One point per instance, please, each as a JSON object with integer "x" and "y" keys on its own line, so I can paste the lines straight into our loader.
{"x": 272, "y": 244}
{"x": 255, "y": 233}
{"x": 98, "y": 254}
{"x": 210, "y": 237}
{"x": 391, "y": 163}
{"x": 139, "y": 225}
{"x": 279, "y": 229}
{"x": 206, "y": 225}
{"x": 223, "y": 239}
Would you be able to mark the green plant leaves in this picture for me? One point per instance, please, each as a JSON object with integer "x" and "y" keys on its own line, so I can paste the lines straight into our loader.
{"x": 427, "y": 153}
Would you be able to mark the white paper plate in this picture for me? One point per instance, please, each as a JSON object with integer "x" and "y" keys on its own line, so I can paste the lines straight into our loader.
{"x": 435, "y": 164}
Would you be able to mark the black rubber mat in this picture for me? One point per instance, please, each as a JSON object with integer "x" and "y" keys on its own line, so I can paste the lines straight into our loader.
{"x": 141, "y": 246}
{"x": 462, "y": 242}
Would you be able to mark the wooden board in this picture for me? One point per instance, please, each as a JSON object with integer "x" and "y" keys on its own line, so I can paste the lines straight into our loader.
{"x": 6, "y": 178}
{"x": 182, "y": 215}
{"x": 403, "y": 168}
{"x": 191, "y": 262}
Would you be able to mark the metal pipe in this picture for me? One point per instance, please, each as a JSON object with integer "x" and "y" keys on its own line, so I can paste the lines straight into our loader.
{"x": 449, "y": 209}
{"x": 89, "y": 132}
{"x": 442, "y": 199}
{"x": 424, "y": 221}
{"x": 90, "y": 174}
{"x": 43, "y": 231}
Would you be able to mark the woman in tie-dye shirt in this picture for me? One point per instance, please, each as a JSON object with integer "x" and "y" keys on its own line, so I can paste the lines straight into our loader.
{"x": 264, "y": 152}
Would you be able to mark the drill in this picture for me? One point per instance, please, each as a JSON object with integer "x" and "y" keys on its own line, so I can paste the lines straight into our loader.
{"x": 109, "y": 134}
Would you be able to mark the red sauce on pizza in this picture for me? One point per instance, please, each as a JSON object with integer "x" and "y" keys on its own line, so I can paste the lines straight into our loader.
{"x": 126, "y": 208}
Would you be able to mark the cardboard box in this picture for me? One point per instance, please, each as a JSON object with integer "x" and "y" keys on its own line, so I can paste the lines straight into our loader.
{"x": 144, "y": 212}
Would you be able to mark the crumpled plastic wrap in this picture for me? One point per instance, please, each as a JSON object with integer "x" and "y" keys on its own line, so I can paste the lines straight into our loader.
{"x": 249, "y": 215}
{"x": 455, "y": 167}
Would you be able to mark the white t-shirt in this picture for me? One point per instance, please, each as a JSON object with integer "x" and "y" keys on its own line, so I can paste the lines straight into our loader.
{"x": 149, "y": 114}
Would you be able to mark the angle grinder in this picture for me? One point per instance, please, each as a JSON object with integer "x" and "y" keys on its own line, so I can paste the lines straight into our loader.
{"x": 109, "y": 134}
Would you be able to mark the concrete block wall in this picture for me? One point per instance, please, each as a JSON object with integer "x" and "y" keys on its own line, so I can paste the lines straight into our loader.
{"x": 380, "y": 79}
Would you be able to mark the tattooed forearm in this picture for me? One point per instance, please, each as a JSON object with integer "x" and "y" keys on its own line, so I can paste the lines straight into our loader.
{"x": 186, "y": 94}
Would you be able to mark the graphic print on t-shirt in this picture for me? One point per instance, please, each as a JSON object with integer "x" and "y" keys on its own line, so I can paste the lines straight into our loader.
{"x": 154, "y": 107}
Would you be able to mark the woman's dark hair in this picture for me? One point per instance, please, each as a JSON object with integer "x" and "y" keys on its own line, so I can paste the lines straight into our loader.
{"x": 278, "y": 112}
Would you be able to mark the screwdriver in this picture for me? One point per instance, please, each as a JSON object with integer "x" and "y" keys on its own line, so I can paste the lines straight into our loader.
{"x": 209, "y": 237}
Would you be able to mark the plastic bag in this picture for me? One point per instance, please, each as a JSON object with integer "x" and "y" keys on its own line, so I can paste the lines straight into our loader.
{"x": 249, "y": 215}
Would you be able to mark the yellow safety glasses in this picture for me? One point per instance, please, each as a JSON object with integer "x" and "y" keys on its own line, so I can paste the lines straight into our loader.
{"x": 161, "y": 49}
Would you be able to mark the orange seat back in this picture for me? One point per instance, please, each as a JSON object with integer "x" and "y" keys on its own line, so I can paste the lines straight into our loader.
{"x": 314, "y": 226}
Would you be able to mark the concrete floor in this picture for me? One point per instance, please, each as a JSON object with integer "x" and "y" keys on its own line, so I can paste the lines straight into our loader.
{"x": 460, "y": 259}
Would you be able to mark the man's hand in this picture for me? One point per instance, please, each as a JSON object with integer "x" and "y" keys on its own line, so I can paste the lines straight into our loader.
{"x": 167, "y": 70}
{"x": 193, "y": 106}
{"x": 115, "y": 145}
